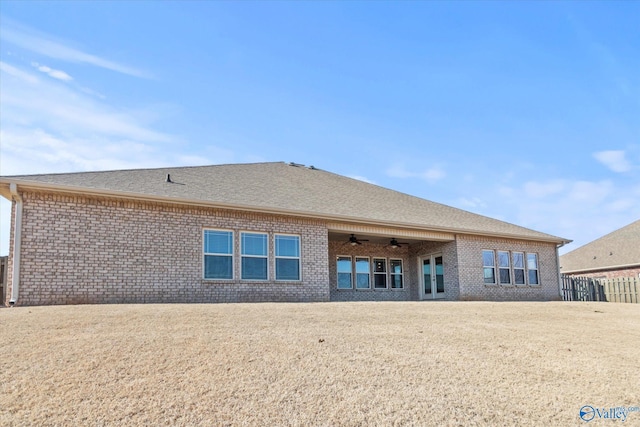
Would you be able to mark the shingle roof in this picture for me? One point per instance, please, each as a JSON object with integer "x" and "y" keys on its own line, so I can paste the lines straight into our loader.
{"x": 280, "y": 187}
{"x": 619, "y": 248}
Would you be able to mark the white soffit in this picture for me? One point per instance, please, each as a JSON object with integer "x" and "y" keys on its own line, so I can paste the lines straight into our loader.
{"x": 375, "y": 230}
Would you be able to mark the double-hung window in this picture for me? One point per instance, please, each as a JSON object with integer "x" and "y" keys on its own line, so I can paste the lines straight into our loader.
{"x": 218, "y": 254}
{"x": 504, "y": 268}
{"x": 380, "y": 273}
{"x": 344, "y": 272}
{"x": 532, "y": 266}
{"x": 518, "y": 268}
{"x": 287, "y": 257}
{"x": 362, "y": 273}
{"x": 396, "y": 273}
{"x": 253, "y": 247}
{"x": 489, "y": 267}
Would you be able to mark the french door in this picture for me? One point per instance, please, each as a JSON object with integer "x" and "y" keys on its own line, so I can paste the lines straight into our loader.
{"x": 432, "y": 269}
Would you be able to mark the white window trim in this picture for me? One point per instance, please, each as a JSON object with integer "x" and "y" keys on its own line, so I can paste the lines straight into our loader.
{"x": 512, "y": 268}
{"x": 232, "y": 255}
{"x": 494, "y": 266}
{"x": 276, "y": 257}
{"x": 526, "y": 261}
{"x": 391, "y": 274}
{"x": 350, "y": 272}
{"x": 355, "y": 272}
{"x": 524, "y": 268}
{"x": 254, "y": 256}
{"x": 508, "y": 268}
{"x": 385, "y": 273}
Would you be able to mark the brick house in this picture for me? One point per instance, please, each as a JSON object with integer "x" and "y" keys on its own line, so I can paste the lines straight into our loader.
{"x": 614, "y": 255}
{"x": 258, "y": 232}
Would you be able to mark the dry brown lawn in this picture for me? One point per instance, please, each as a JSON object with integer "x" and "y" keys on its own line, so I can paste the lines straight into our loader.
{"x": 442, "y": 363}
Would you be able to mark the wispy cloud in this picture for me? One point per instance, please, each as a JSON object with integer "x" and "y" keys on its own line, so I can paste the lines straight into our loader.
{"x": 62, "y": 110}
{"x": 577, "y": 209}
{"x": 431, "y": 175}
{"x": 44, "y": 44}
{"x": 614, "y": 160}
{"x": 539, "y": 190}
{"x": 472, "y": 203}
{"x": 17, "y": 73}
{"x": 56, "y": 74}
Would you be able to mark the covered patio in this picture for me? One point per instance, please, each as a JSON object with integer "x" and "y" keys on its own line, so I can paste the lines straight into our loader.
{"x": 369, "y": 263}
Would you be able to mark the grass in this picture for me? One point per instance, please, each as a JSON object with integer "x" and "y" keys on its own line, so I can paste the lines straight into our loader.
{"x": 444, "y": 363}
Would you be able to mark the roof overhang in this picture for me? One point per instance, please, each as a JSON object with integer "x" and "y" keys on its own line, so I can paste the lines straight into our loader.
{"x": 445, "y": 232}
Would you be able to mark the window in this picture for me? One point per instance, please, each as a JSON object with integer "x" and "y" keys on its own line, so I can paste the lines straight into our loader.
{"x": 396, "y": 274}
{"x": 218, "y": 254}
{"x": 532, "y": 266}
{"x": 254, "y": 256}
{"x": 380, "y": 273}
{"x": 504, "y": 268}
{"x": 489, "y": 267}
{"x": 362, "y": 273}
{"x": 518, "y": 268}
{"x": 287, "y": 257}
{"x": 344, "y": 272}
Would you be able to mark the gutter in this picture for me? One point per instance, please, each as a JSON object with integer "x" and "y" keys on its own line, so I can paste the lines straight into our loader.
{"x": 559, "y": 272}
{"x": 17, "y": 243}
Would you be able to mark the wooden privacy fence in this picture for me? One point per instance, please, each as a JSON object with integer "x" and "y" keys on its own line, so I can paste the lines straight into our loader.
{"x": 621, "y": 289}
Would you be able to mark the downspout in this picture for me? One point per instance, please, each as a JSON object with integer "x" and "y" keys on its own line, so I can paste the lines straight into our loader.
{"x": 17, "y": 243}
{"x": 559, "y": 272}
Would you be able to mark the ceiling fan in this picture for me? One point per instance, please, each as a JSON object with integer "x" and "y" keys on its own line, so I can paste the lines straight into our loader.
{"x": 395, "y": 244}
{"x": 353, "y": 240}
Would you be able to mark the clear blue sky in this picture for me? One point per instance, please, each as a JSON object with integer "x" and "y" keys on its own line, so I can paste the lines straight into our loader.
{"x": 524, "y": 111}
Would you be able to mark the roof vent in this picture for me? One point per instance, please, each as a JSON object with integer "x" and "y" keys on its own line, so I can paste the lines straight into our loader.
{"x": 169, "y": 178}
{"x": 298, "y": 165}
{"x": 313, "y": 168}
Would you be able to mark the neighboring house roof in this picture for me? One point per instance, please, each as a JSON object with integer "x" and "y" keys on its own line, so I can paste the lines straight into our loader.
{"x": 619, "y": 249}
{"x": 279, "y": 187}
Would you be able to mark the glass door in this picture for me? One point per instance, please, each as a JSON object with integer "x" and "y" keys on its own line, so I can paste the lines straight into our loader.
{"x": 432, "y": 277}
